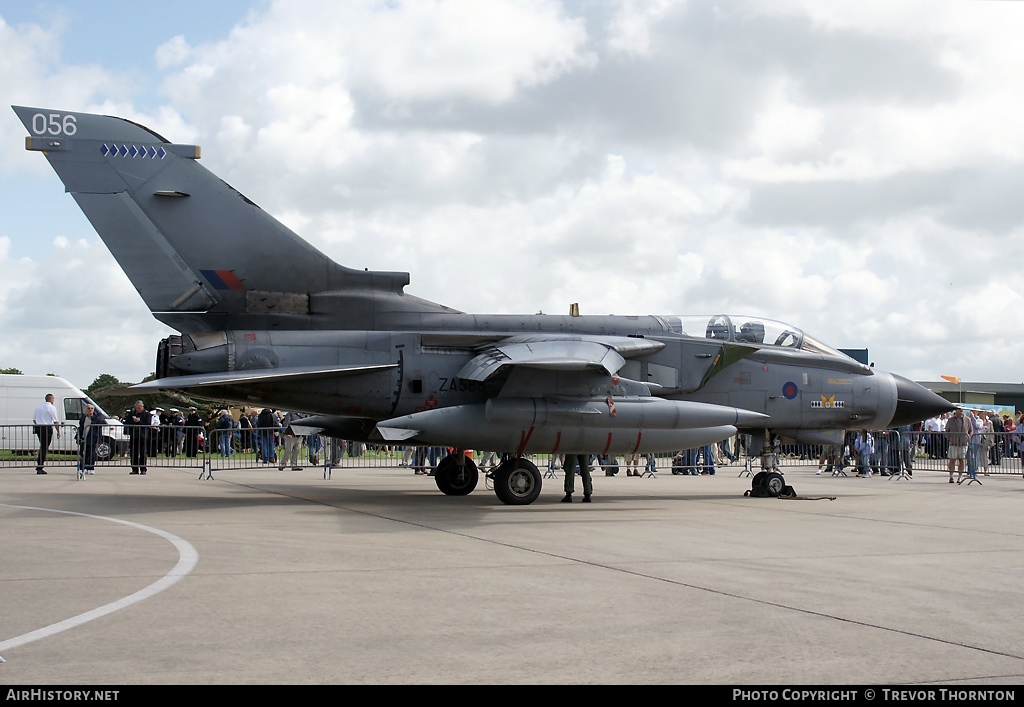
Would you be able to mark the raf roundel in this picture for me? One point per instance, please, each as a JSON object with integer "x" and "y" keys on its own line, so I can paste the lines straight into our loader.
{"x": 789, "y": 390}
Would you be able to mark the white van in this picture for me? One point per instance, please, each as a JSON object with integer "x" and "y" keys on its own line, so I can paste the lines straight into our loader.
{"x": 20, "y": 396}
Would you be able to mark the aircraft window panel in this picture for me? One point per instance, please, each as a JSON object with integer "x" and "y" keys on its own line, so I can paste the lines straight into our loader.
{"x": 672, "y": 323}
{"x": 684, "y": 324}
{"x": 814, "y": 346}
{"x": 789, "y": 339}
{"x": 747, "y": 330}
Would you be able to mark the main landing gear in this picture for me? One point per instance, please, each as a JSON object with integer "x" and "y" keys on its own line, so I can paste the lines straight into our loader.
{"x": 456, "y": 474}
{"x": 517, "y": 481}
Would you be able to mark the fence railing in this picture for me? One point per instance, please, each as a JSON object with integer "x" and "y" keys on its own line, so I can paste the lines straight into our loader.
{"x": 993, "y": 453}
{"x": 260, "y": 448}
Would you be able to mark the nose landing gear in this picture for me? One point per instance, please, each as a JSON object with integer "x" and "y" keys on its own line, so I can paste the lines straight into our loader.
{"x": 769, "y": 482}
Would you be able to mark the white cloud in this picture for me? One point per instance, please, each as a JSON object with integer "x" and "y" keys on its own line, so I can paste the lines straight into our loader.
{"x": 74, "y": 314}
{"x": 454, "y": 49}
{"x": 173, "y": 53}
{"x": 629, "y": 28}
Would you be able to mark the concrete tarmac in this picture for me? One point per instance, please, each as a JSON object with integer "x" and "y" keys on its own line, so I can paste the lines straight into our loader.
{"x": 375, "y": 577}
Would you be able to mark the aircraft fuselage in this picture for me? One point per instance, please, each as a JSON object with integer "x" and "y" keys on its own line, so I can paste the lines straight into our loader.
{"x": 807, "y": 396}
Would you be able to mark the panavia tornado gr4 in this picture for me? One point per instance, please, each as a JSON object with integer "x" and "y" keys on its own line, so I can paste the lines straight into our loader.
{"x": 266, "y": 319}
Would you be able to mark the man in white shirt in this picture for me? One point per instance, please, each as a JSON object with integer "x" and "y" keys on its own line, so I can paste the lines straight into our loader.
{"x": 46, "y": 423}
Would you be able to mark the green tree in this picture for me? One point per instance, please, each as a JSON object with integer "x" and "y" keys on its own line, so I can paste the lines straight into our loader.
{"x": 103, "y": 382}
{"x": 111, "y": 394}
{"x": 14, "y": 371}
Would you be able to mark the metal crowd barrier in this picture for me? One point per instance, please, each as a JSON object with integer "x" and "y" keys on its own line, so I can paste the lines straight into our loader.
{"x": 19, "y": 446}
{"x": 997, "y": 452}
{"x": 211, "y": 449}
{"x": 101, "y": 446}
{"x": 186, "y": 447}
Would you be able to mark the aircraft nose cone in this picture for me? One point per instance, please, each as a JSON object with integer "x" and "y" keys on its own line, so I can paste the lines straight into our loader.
{"x": 915, "y": 403}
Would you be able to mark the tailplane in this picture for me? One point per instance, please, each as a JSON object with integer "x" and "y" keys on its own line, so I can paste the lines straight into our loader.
{"x": 202, "y": 255}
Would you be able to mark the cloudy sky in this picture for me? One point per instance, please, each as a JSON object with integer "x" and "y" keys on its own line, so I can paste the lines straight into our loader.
{"x": 854, "y": 169}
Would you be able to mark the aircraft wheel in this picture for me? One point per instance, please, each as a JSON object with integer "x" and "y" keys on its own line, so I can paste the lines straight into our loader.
{"x": 773, "y": 484}
{"x": 517, "y": 482}
{"x": 104, "y": 450}
{"x": 453, "y": 481}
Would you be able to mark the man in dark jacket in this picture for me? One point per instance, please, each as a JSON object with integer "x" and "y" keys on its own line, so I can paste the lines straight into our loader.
{"x": 193, "y": 426}
{"x": 137, "y": 425}
{"x": 266, "y": 425}
{"x": 244, "y": 432}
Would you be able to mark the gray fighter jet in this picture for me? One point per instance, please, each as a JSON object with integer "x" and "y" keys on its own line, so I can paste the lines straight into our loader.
{"x": 268, "y": 320}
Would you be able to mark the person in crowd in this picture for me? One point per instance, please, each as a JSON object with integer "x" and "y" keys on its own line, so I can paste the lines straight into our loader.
{"x": 906, "y": 441}
{"x": 976, "y": 427}
{"x": 723, "y": 448}
{"x": 314, "y": 444}
{"x": 1009, "y": 429}
{"x": 864, "y": 447}
{"x": 880, "y": 456}
{"x": 685, "y": 462}
{"x": 957, "y": 434}
{"x": 138, "y": 424}
{"x": 244, "y": 432}
{"x": 986, "y": 439}
{"x": 632, "y": 462}
{"x": 193, "y": 426}
{"x": 706, "y": 454}
{"x": 45, "y": 425}
{"x": 569, "y": 469}
{"x": 292, "y": 441}
{"x": 177, "y": 422}
{"x": 996, "y": 437}
{"x": 225, "y": 429}
{"x": 266, "y": 426}
{"x": 154, "y": 436}
{"x": 90, "y": 432}
{"x": 165, "y": 435}
{"x": 831, "y": 459}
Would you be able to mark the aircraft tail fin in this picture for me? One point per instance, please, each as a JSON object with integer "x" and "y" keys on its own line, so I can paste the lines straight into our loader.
{"x": 201, "y": 254}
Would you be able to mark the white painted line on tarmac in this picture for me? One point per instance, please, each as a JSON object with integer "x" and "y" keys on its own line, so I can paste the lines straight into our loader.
{"x": 187, "y": 560}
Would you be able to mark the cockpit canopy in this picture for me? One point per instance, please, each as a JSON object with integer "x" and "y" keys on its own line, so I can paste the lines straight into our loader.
{"x": 746, "y": 330}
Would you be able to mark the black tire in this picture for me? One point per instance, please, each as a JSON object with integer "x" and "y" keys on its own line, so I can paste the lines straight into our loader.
{"x": 757, "y": 483}
{"x": 452, "y": 481}
{"x": 517, "y": 482}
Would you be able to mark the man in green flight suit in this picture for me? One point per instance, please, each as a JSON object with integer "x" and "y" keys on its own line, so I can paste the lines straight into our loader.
{"x": 569, "y": 467}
